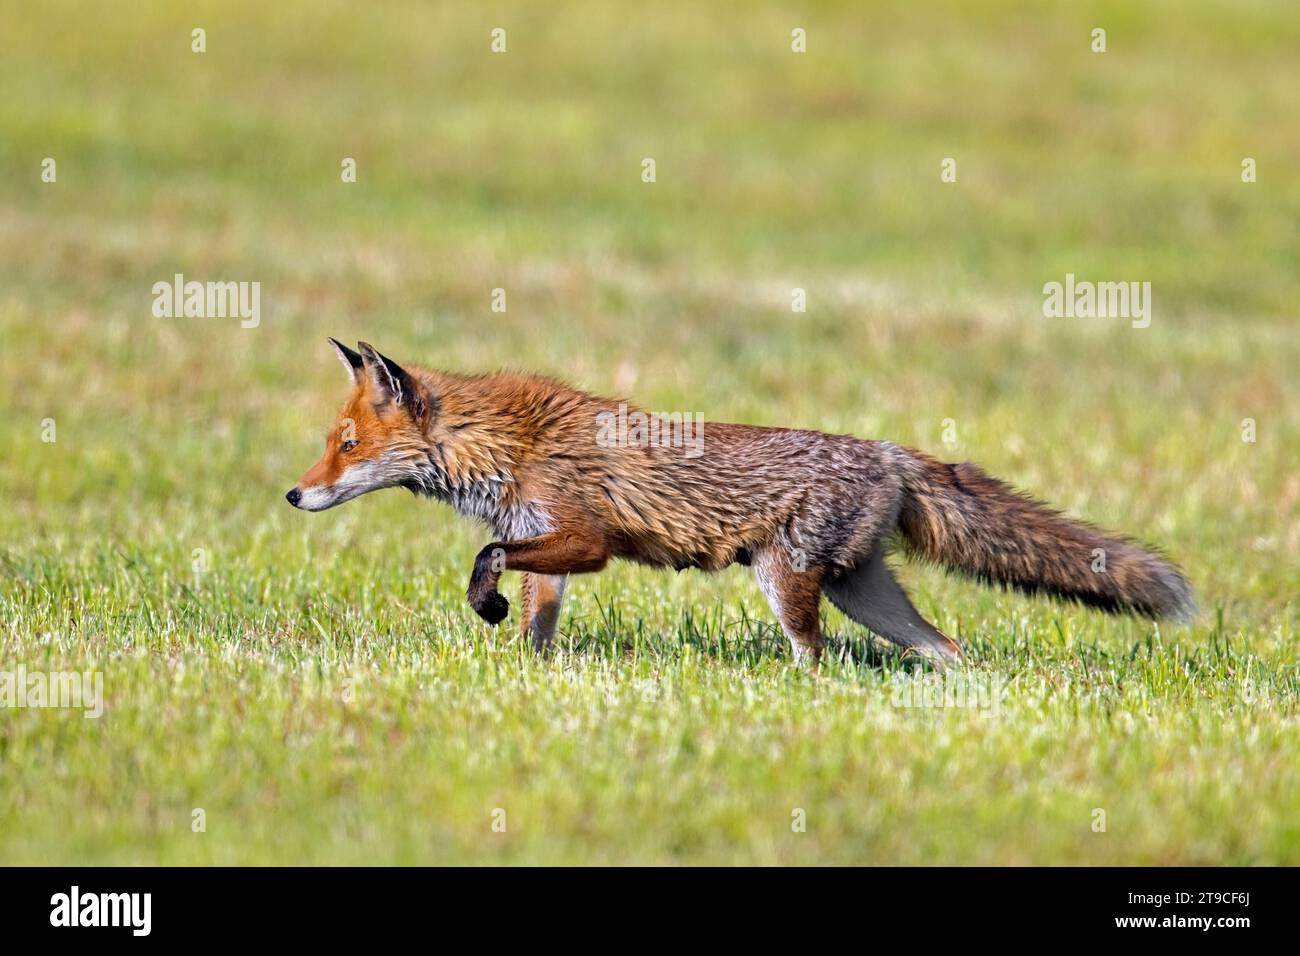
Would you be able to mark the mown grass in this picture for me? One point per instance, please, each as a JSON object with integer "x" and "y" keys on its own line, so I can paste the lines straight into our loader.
{"x": 321, "y": 690}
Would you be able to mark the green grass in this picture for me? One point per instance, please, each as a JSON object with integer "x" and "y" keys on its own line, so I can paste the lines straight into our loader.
{"x": 322, "y": 691}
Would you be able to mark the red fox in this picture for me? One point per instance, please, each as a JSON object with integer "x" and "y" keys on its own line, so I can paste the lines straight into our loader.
{"x": 812, "y": 513}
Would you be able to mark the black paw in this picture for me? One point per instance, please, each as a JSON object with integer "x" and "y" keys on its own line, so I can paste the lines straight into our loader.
{"x": 493, "y": 608}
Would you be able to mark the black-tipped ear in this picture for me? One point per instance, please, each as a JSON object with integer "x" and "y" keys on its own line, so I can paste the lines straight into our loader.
{"x": 392, "y": 382}
{"x": 351, "y": 360}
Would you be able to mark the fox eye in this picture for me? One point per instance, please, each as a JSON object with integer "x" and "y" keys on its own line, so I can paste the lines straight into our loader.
{"x": 348, "y": 445}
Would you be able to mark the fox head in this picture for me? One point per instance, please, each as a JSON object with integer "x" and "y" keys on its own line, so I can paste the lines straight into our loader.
{"x": 378, "y": 440}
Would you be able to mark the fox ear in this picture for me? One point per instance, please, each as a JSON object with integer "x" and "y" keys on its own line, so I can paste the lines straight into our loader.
{"x": 351, "y": 360}
{"x": 392, "y": 382}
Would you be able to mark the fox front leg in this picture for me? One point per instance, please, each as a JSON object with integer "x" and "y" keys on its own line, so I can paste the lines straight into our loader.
{"x": 555, "y": 553}
{"x": 483, "y": 595}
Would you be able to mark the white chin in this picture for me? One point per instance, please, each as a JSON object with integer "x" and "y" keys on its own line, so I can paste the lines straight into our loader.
{"x": 318, "y": 499}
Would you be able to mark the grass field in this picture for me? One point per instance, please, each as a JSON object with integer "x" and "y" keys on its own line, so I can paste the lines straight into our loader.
{"x": 316, "y": 684}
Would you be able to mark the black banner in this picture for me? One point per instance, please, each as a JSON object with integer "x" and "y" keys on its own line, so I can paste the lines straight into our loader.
{"x": 336, "y": 906}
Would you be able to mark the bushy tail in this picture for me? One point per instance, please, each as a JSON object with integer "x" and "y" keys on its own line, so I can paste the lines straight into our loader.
{"x": 959, "y": 517}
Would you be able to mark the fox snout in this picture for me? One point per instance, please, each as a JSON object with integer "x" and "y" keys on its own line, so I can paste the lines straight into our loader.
{"x": 310, "y": 497}
{"x": 321, "y": 487}
{"x": 313, "y": 498}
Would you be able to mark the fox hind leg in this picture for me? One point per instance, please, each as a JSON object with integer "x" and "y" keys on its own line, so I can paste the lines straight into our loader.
{"x": 870, "y": 595}
{"x": 541, "y": 598}
{"x": 795, "y": 596}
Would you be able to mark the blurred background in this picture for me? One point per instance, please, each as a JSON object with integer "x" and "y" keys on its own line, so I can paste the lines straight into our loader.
{"x": 154, "y": 522}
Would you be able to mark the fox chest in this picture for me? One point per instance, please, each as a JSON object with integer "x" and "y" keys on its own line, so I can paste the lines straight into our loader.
{"x": 509, "y": 520}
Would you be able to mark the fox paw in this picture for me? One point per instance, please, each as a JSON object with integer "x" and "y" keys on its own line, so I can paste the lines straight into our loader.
{"x": 493, "y": 608}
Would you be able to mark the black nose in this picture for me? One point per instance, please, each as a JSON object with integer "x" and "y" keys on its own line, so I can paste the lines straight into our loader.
{"x": 294, "y": 496}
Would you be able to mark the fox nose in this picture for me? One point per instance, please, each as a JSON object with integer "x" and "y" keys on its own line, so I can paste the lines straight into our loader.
{"x": 294, "y": 496}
